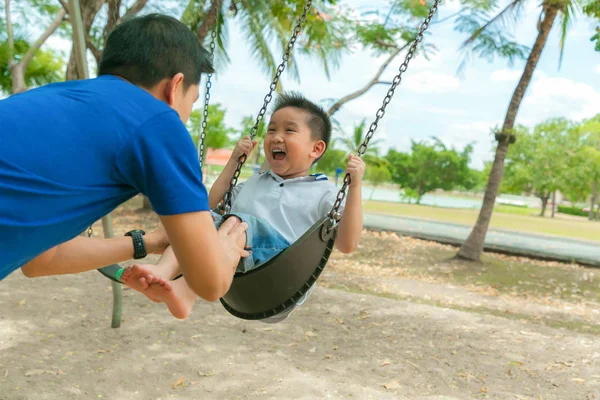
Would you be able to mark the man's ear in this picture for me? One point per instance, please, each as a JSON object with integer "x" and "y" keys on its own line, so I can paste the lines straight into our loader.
{"x": 173, "y": 85}
{"x": 318, "y": 149}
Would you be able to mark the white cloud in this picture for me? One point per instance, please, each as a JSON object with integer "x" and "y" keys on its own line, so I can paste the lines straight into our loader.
{"x": 431, "y": 82}
{"x": 513, "y": 75}
{"x": 443, "y": 111}
{"x": 505, "y": 75}
{"x": 560, "y": 97}
{"x": 420, "y": 62}
{"x": 597, "y": 69}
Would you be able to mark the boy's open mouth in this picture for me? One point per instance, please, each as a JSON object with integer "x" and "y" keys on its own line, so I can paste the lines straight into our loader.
{"x": 278, "y": 154}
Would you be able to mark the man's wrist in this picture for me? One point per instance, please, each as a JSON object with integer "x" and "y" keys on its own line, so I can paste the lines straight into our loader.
{"x": 154, "y": 243}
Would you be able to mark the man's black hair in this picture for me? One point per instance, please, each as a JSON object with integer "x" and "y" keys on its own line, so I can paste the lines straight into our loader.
{"x": 145, "y": 50}
{"x": 319, "y": 122}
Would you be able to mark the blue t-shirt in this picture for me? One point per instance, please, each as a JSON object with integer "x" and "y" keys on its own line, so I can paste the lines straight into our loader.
{"x": 72, "y": 152}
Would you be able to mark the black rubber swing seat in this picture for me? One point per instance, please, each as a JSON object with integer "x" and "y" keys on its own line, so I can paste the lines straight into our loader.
{"x": 277, "y": 285}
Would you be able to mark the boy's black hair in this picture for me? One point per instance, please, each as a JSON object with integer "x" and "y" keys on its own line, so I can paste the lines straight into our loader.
{"x": 145, "y": 50}
{"x": 319, "y": 122}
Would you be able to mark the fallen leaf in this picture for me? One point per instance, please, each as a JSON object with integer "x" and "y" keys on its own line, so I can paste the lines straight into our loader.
{"x": 328, "y": 357}
{"x": 102, "y": 351}
{"x": 206, "y": 374}
{"x": 484, "y": 389}
{"x": 516, "y": 363}
{"x": 340, "y": 320}
{"x": 310, "y": 334}
{"x": 34, "y": 372}
{"x": 266, "y": 329}
{"x": 392, "y": 385}
{"x": 196, "y": 336}
{"x": 312, "y": 350}
{"x": 385, "y": 362}
{"x": 178, "y": 383}
{"x": 5, "y": 373}
{"x": 22, "y": 302}
{"x": 578, "y": 380}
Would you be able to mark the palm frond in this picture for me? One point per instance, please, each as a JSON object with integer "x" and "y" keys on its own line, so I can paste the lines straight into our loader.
{"x": 510, "y": 14}
{"x": 569, "y": 12}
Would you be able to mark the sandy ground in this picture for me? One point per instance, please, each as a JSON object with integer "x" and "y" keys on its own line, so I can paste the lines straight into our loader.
{"x": 376, "y": 327}
{"x": 56, "y": 343}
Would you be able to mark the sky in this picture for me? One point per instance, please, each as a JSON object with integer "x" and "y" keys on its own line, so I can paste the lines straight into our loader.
{"x": 433, "y": 98}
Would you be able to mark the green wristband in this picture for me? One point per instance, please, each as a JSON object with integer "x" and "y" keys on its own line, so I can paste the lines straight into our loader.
{"x": 119, "y": 273}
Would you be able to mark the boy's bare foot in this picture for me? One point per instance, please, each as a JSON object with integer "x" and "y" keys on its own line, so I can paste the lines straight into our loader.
{"x": 162, "y": 290}
{"x": 138, "y": 276}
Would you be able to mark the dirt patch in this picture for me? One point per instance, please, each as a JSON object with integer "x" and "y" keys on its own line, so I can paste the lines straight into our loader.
{"x": 407, "y": 325}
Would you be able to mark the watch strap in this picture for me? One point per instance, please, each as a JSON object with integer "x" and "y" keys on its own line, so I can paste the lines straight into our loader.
{"x": 139, "y": 247}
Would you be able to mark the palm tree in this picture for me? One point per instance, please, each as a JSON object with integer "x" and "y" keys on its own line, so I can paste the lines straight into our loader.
{"x": 488, "y": 39}
{"x": 265, "y": 23}
{"x": 352, "y": 143}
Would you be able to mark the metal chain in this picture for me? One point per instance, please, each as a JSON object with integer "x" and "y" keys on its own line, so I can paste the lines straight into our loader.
{"x": 207, "y": 93}
{"x": 225, "y": 205}
{"x": 334, "y": 213}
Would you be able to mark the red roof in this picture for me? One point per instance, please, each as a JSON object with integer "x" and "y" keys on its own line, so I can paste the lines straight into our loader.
{"x": 218, "y": 156}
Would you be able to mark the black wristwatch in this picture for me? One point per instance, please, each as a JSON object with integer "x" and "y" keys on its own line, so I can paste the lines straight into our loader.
{"x": 139, "y": 247}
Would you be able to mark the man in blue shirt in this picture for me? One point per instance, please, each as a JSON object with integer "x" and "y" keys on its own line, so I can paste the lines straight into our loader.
{"x": 72, "y": 152}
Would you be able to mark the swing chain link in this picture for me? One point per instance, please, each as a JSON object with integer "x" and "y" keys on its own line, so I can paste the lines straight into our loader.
{"x": 225, "y": 205}
{"x": 334, "y": 214}
{"x": 208, "y": 86}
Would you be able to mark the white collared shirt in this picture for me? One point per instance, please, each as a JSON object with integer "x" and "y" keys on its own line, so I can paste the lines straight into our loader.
{"x": 291, "y": 206}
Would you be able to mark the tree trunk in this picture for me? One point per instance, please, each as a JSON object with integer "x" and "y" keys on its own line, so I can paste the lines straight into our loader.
{"x": 473, "y": 246}
{"x": 544, "y": 199}
{"x": 553, "y": 203}
{"x": 209, "y": 21}
{"x": 89, "y": 9}
{"x": 18, "y": 78}
{"x": 18, "y": 70}
{"x": 593, "y": 202}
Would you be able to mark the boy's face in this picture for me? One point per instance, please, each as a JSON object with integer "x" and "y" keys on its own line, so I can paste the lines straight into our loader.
{"x": 289, "y": 146}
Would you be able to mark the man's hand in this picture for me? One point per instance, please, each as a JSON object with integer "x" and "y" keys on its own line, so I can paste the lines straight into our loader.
{"x": 356, "y": 169}
{"x": 232, "y": 234}
{"x": 157, "y": 240}
{"x": 243, "y": 146}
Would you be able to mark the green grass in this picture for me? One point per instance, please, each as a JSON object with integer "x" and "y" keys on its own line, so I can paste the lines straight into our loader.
{"x": 504, "y": 217}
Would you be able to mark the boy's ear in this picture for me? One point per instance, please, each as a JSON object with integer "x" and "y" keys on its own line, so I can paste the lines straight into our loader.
{"x": 173, "y": 85}
{"x": 318, "y": 149}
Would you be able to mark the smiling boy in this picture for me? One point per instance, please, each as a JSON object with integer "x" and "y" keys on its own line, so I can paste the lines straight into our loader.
{"x": 279, "y": 205}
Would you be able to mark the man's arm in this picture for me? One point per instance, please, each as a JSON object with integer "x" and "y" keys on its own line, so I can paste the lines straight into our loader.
{"x": 85, "y": 254}
{"x": 207, "y": 258}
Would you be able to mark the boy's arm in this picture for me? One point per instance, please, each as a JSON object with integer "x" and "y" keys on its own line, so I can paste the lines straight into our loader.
{"x": 351, "y": 224}
{"x": 221, "y": 185}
